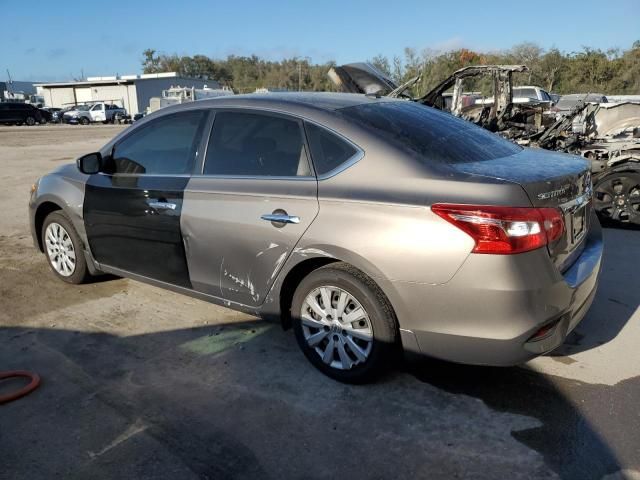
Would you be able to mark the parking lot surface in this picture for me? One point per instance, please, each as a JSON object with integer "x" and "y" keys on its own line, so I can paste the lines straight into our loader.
{"x": 143, "y": 383}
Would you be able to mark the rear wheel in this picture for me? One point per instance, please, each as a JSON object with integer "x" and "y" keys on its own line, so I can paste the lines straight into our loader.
{"x": 63, "y": 249}
{"x": 343, "y": 323}
{"x": 616, "y": 197}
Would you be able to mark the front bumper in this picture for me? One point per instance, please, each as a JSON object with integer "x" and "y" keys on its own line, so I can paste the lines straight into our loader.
{"x": 489, "y": 311}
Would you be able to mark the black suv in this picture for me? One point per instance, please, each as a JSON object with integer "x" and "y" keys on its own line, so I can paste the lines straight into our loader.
{"x": 19, "y": 113}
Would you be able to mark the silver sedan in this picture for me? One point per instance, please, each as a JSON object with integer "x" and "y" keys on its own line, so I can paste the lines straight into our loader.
{"x": 369, "y": 225}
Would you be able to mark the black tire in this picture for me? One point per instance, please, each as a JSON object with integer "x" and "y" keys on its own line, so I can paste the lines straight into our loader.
{"x": 80, "y": 273}
{"x": 84, "y": 121}
{"x": 616, "y": 197}
{"x": 382, "y": 318}
{"x": 30, "y": 121}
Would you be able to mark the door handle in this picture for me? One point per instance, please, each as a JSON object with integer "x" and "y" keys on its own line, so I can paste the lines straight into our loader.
{"x": 280, "y": 218}
{"x": 162, "y": 205}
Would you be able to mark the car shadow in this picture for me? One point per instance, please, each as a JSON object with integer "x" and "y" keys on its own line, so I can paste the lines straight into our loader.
{"x": 240, "y": 401}
{"x": 577, "y": 446}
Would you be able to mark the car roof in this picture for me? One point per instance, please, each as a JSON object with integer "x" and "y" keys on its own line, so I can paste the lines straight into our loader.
{"x": 294, "y": 102}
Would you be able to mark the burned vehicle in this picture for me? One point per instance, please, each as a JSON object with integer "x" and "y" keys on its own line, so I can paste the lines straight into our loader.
{"x": 607, "y": 134}
{"x": 494, "y": 109}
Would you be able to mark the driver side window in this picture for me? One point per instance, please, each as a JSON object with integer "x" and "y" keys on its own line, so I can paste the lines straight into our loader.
{"x": 166, "y": 146}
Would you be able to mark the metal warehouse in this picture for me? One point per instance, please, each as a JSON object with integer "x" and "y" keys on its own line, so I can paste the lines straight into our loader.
{"x": 132, "y": 92}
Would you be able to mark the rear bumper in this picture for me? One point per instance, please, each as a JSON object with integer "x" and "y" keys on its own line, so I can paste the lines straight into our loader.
{"x": 489, "y": 312}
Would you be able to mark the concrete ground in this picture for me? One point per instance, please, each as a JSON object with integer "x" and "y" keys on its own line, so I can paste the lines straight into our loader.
{"x": 142, "y": 383}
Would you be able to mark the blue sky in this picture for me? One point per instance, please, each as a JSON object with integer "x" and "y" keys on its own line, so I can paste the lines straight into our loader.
{"x": 50, "y": 40}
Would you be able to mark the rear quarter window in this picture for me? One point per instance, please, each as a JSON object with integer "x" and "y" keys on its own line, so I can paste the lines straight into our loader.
{"x": 328, "y": 151}
{"x": 431, "y": 135}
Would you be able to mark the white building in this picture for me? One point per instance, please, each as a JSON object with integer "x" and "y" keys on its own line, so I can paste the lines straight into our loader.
{"x": 132, "y": 92}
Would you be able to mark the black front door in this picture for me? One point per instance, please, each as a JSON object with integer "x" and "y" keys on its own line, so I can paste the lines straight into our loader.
{"x": 132, "y": 209}
{"x": 133, "y": 223}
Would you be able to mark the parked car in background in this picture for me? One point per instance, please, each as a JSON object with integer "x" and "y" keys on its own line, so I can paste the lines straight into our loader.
{"x": 572, "y": 102}
{"x": 90, "y": 113}
{"x": 530, "y": 94}
{"x": 74, "y": 113}
{"x": 122, "y": 118}
{"x": 22, "y": 113}
{"x": 105, "y": 112}
{"x": 55, "y": 113}
{"x": 366, "y": 224}
{"x": 138, "y": 116}
{"x": 524, "y": 94}
{"x": 61, "y": 117}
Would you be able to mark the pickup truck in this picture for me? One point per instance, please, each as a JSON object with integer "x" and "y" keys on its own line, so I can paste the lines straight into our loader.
{"x": 529, "y": 94}
{"x": 98, "y": 112}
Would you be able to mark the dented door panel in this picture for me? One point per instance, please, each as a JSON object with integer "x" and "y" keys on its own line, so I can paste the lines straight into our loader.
{"x": 232, "y": 252}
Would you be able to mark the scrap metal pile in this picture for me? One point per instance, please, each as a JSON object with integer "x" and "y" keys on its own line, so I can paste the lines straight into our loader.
{"x": 607, "y": 134}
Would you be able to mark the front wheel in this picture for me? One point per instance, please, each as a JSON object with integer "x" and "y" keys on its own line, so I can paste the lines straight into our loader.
{"x": 63, "y": 249}
{"x": 30, "y": 121}
{"x": 616, "y": 197}
{"x": 84, "y": 121}
{"x": 344, "y": 324}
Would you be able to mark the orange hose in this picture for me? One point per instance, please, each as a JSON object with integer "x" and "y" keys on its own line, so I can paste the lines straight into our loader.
{"x": 35, "y": 382}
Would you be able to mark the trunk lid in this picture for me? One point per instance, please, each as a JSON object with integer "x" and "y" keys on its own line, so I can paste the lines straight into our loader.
{"x": 550, "y": 179}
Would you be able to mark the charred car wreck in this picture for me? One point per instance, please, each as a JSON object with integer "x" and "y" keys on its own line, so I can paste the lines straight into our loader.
{"x": 607, "y": 134}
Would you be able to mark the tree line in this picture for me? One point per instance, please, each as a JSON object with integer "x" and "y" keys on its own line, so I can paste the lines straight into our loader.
{"x": 612, "y": 71}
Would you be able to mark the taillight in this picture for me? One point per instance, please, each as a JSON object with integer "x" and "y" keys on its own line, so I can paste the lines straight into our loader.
{"x": 504, "y": 230}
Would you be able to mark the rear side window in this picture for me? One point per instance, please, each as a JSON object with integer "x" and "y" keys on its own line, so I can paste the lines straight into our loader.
{"x": 251, "y": 144}
{"x": 328, "y": 151}
{"x": 432, "y": 135}
{"x": 166, "y": 146}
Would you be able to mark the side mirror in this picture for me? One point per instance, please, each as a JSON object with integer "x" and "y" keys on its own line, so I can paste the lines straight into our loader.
{"x": 90, "y": 163}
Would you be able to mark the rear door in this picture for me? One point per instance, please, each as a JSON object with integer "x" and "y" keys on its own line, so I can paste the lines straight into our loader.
{"x": 245, "y": 213}
{"x": 132, "y": 210}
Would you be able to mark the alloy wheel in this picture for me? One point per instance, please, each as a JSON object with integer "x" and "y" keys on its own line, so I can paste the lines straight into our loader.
{"x": 60, "y": 249}
{"x": 337, "y": 327}
{"x": 617, "y": 198}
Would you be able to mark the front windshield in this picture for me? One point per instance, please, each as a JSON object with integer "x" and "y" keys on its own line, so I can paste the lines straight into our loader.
{"x": 82, "y": 108}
